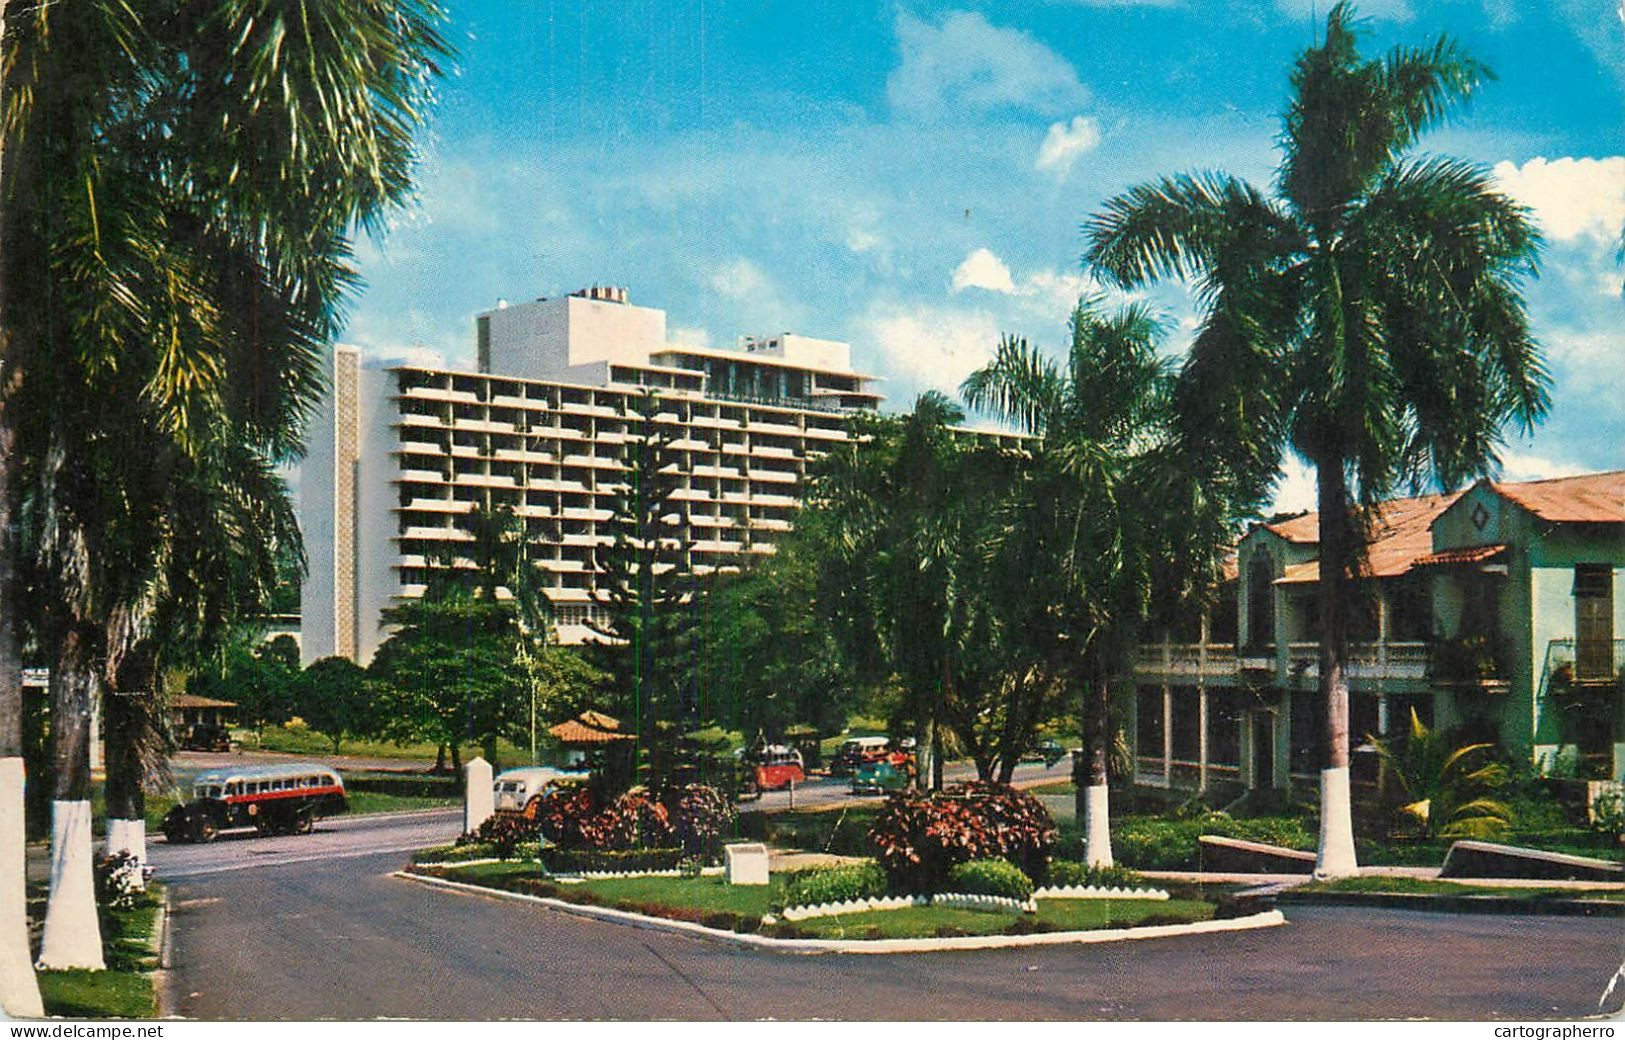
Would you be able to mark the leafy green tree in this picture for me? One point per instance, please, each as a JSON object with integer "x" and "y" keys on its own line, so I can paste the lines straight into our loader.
{"x": 646, "y": 641}
{"x": 1367, "y": 314}
{"x": 449, "y": 673}
{"x": 261, "y": 678}
{"x": 334, "y": 698}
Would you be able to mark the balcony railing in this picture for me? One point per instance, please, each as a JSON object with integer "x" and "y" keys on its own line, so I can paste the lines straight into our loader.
{"x": 1380, "y": 660}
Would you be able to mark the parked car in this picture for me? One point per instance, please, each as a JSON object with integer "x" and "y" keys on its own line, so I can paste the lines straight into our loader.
{"x": 1048, "y": 751}
{"x": 778, "y": 766}
{"x": 852, "y": 752}
{"x": 522, "y": 790}
{"x": 206, "y": 737}
{"x": 885, "y": 772}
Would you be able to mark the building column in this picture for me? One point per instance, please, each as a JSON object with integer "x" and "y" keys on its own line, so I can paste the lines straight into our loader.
{"x": 1201, "y": 738}
{"x": 1249, "y": 778}
{"x": 1167, "y": 736}
{"x": 1283, "y": 742}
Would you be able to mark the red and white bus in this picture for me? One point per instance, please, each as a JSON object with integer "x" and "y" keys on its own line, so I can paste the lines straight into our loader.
{"x": 280, "y": 799}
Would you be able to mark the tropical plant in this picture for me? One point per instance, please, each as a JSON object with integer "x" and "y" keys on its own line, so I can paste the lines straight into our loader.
{"x": 918, "y": 838}
{"x": 179, "y": 188}
{"x": 1106, "y": 501}
{"x": 1367, "y": 314}
{"x": 1448, "y": 787}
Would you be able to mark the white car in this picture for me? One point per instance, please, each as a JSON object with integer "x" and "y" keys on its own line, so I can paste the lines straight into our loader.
{"x": 516, "y": 789}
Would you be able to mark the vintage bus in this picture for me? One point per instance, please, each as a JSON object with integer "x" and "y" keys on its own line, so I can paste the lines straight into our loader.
{"x": 279, "y": 799}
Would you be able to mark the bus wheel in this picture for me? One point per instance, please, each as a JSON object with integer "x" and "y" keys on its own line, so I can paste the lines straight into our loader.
{"x": 206, "y": 830}
{"x": 304, "y": 823}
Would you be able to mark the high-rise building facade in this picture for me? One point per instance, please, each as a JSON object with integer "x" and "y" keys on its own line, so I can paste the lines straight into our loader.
{"x": 399, "y": 457}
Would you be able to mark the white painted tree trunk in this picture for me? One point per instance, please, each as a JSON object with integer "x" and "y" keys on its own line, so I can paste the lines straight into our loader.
{"x": 129, "y": 836}
{"x": 1336, "y": 857}
{"x": 73, "y": 936}
{"x": 19, "y": 990}
{"x": 1097, "y": 832}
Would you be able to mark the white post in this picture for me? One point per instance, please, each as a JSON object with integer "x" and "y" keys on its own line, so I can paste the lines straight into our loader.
{"x": 19, "y": 990}
{"x": 1201, "y": 737}
{"x": 1336, "y": 826}
{"x": 1097, "y": 831}
{"x": 73, "y": 937}
{"x": 479, "y": 801}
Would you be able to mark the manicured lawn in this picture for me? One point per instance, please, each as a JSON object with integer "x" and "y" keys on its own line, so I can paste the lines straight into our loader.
{"x": 1427, "y": 886}
{"x": 1054, "y": 915}
{"x": 712, "y": 901}
{"x": 125, "y": 989}
{"x": 363, "y": 803}
{"x": 297, "y": 740}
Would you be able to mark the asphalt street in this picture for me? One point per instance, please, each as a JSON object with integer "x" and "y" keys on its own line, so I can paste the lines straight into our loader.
{"x": 314, "y": 928}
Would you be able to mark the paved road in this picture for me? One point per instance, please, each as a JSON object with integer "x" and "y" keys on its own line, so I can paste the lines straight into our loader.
{"x": 335, "y": 839}
{"x": 342, "y": 939}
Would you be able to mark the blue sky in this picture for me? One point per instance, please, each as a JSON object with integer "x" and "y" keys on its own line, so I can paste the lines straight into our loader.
{"x": 911, "y": 177}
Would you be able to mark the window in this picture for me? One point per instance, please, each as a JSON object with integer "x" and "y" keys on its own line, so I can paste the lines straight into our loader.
{"x": 1593, "y": 621}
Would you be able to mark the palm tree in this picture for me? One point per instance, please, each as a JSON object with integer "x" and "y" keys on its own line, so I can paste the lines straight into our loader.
{"x": 1367, "y": 314}
{"x": 180, "y": 185}
{"x": 1088, "y": 523}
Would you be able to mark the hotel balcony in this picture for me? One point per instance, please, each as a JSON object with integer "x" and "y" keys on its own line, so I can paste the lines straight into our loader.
{"x": 1221, "y": 663}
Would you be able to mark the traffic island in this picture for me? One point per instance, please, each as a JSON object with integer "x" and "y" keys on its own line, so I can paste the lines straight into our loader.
{"x": 710, "y": 907}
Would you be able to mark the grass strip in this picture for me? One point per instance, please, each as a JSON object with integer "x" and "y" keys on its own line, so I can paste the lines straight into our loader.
{"x": 125, "y": 989}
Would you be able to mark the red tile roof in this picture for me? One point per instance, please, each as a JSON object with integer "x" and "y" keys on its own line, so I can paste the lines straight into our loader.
{"x": 1403, "y": 537}
{"x": 590, "y": 727}
{"x": 1590, "y": 498}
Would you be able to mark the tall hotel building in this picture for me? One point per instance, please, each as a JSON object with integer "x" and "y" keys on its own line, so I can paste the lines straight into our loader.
{"x": 398, "y": 457}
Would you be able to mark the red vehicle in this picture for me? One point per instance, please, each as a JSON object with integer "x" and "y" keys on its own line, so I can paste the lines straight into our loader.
{"x": 778, "y": 766}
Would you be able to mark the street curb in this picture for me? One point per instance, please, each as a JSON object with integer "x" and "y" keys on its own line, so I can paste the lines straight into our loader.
{"x": 161, "y": 978}
{"x": 1266, "y": 919}
{"x": 1457, "y": 904}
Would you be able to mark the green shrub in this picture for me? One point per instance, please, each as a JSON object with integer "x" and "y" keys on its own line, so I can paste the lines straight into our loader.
{"x": 1608, "y": 814}
{"x": 579, "y": 861}
{"x": 456, "y": 853}
{"x": 833, "y": 884}
{"x": 1066, "y": 872}
{"x": 504, "y": 831}
{"x": 990, "y": 877}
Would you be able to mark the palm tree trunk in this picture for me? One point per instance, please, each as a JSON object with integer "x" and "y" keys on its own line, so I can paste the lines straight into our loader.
{"x": 1337, "y": 547}
{"x": 134, "y": 735}
{"x": 19, "y": 990}
{"x": 1095, "y": 810}
{"x": 72, "y": 936}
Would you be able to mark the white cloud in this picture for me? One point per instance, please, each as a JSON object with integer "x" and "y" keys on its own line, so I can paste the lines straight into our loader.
{"x": 739, "y": 280}
{"x": 1516, "y": 466}
{"x": 1065, "y": 142}
{"x": 965, "y": 63}
{"x": 1572, "y": 198}
{"x": 936, "y": 347}
{"x": 860, "y": 240}
{"x": 1295, "y": 489}
{"x": 982, "y": 270}
{"x": 688, "y": 336}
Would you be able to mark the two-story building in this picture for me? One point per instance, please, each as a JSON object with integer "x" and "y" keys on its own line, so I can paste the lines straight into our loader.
{"x": 1493, "y": 609}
